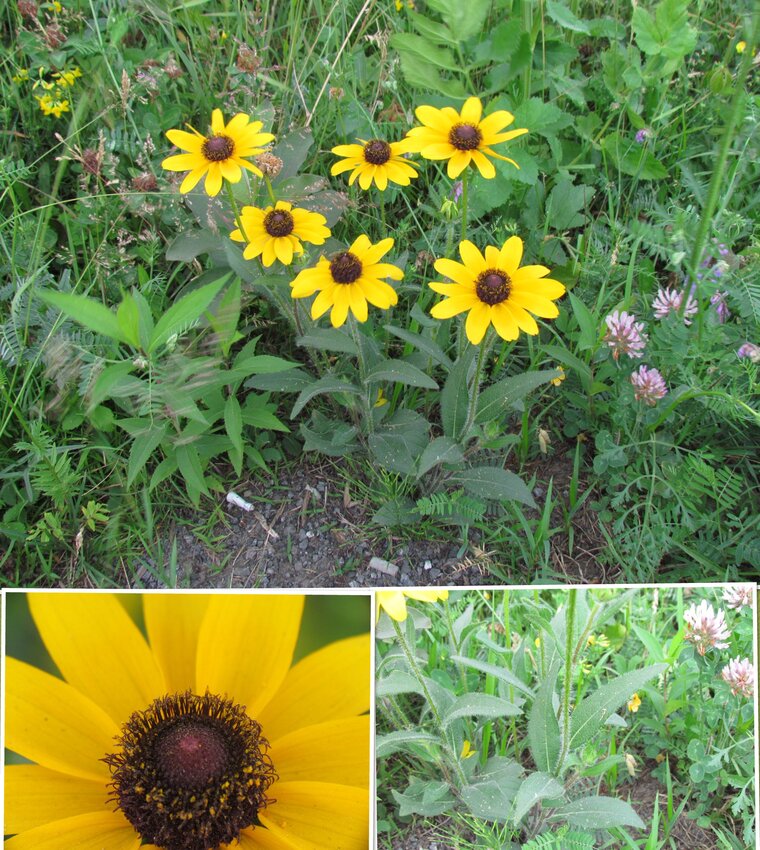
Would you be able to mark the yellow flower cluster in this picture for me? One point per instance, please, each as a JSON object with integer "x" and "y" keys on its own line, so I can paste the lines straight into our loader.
{"x": 491, "y": 287}
{"x": 52, "y": 97}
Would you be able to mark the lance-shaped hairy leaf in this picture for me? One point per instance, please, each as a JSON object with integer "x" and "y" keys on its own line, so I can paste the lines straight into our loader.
{"x": 589, "y": 717}
{"x": 543, "y": 726}
{"x": 534, "y": 788}
{"x": 598, "y": 813}
{"x": 494, "y": 670}
{"x": 480, "y": 705}
{"x": 394, "y": 742}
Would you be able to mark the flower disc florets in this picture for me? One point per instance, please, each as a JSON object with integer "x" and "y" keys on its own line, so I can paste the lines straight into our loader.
{"x": 191, "y": 771}
{"x": 377, "y": 152}
{"x": 346, "y": 268}
{"x": 278, "y": 223}
{"x": 465, "y": 137}
{"x": 218, "y": 148}
{"x": 492, "y": 286}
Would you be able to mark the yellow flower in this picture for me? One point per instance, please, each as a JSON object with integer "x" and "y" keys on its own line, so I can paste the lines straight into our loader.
{"x": 274, "y": 233}
{"x": 394, "y": 601}
{"x": 537, "y": 642}
{"x": 602, "y": 641}
{"x": 467, "y": 751}
{"x": 220, "y": 155}
{"x": 561, "y": 377}
{"x": 462, "y": 137}
{"x": 741, "y": 46}
{"x": 496, "y": 291}
{"x": 348, "y": 281}
{"x": 67, "y": 78}
{"x": 52, "y": 107}
{"x": 200, "y": 736}
{"x": 375, "y": 160}
{"x": 381, "y": 399}
{"x": 633, "y": 703}
{"x": 22, "y": 76}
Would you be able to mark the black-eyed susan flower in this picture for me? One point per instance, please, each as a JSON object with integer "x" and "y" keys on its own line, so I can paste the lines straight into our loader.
{"x": 375, "y": 160}
{"x": 462, "y": 137}
{"x": 202, "y": 735}
{"x": 394, "y": 601}
{"x": 494, "y": 290}
{"x": 348, "y": 281}
{"x": 221, "y": 155}
{"x": 275, "y": 233}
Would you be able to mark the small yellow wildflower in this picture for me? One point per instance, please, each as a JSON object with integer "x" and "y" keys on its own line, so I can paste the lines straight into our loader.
{"x": 381, "y": 399}
{"x": 56, "y": 7}
{"x": 21, "y": 77}
{"x": 633, "y": 703}
{"x": 537, "y": 642}
{"x": 561, "y": 377}
{"x": 741, "y": 46}
{"x": 67, "y": 78}
{"x": 49, "y": 106}
{"x": 586, "y": 667}
{"x": 467, "y": 751}
{"x": 601, "y": 640}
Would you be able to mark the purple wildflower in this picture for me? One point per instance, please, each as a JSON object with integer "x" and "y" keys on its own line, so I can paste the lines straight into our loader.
{"x": 740, "y": 675}
{"x": 456, "y": 191}
{"x": 625, "y": 335}
{"x": 648, "y": 385}
{"x": 669, "y": 301}
{"x": 718, "y": 301}
{"x": 643, "y": 134}
{"x": 749, "y": 349}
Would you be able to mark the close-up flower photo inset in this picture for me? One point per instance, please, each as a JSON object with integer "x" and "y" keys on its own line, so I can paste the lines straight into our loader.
{"x": 181, "y": 722}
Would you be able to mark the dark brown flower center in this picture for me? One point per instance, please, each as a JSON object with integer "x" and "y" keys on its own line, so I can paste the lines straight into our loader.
{"x": 218, "y": 148}
{"x": 346, "y": 268}
{"x": 191, "y": 772}
{"x": 492, "y": 286}
{"x": 377, "y": 152}
{"x": 278, "y": 223}
{"x": 465, "y": 137}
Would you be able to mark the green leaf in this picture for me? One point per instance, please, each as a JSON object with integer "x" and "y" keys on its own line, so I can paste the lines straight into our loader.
{"x": 400, "y": 372}
{"x": 441, "y": 450}
{"x": 335, "y": 439}
{"x": 456, "y": 394}
{"x": 87, "y": 311}
{"x": 541, "y": 117}
{"x": 432, "y": 30}
{"x": 292, "y": 381}
{"x": 292, "y": 149}
{"x": 598, "y": 813}
{"x": 418, "y": 74}
{"x": 396, "y": 512}
{"x": 563, "y": 16}
{"x": 420, "y": 47}
{"x": 589, "y": 331}
{"x": 494, "y": 400}
{"x": 492, "y": 482}
{"x": 427, "y": 798}
{"x": 397, "y": 682}
{"x": 128, "y": 317}
{"x": 565, "y": 204}
{"x": 184, "y": 313}
{"x": 400, "y": 441}
{"x": 143, "y": 446}
{"x": 494, "y": 670}
{"x": 190, "y": 467}
{"x": 224, "y": 320}
{"x": 114, "y": 381}
{"x": 425, "y": 345}
{"x": 191, "y": 244}
{"x": 633, "y": 159}
{"x": 394, "y": 742}
{"x": 535, "y": 788}
{"x": 328, "y": 384}
{"x": 328, "y": 339}
{"x": 464, "y": 19}
{"x": 480, "y": 705}
{"x": 263, "y": 364}
{"x": 491, "y": 795}
{"x": 543, "y": 726}
{"x": 233, "y": 425}
{"x": 590, "y": 715}
{"x": 258, "y": 413}
{"x": 667, "y": 33}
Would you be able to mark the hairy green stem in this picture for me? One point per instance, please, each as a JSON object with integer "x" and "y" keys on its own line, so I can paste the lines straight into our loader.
{"x": 465, "y": 185}
{"x": 568, "y": 686}
{"x": 472, "y": 408}
{"x": 417, "y": 673}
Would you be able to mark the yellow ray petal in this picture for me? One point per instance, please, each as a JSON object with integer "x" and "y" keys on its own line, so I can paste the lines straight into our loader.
{"x": 341, "y": 304}
{"x": 35, "y": 796}
{"x": 477, "y": 323}
{"x": 433, "y": 117}
{"x": 381, "y": 178}
{"x": 472, "y": 258}
{"x": 453, "y": 306}
{"x": 450, "y": 289}
{"x": 231, "y": 171}
{"x": 260, "y": 839}
{"x": 545, "y": 287}
{"x": 238, "y": 123}
{"x": 510, "y": 256}
{"x": 494, "y": 122}
{"x": 93, "y": 831}
{"x": 529, "y": 273}
{"x": 357, "y": 302}
{"x": 173, "y": 623}
{"x": 181, "y": 162}
{"x": 458, "y": 162}
{"x": 217, "y": 122}
{"x": 337, "y": 751}
{"x": 505, "y": 137}
{"x": 438, "y": 150}
{"x": 484, "y": 165}
{"x": 245, "y": 646}
{"x": 99, "y": 650}
{"x": 328, "y": 684}
{"x": 51, "y": 723}
{"x": 535, "y": 303}
{"x": 472, "y": 109}
{"x": 378, "y": 293}
{"x": 186, "y": 141}
{"x": 344, "y": 165}
{"x": 504, "y": 322}
{"x": 525, "y": 321}
{"x": 360, "y": 246}
{"x": 251, "y": 167}
{"x": 191, "y": 179}
{"x": 321, "y": 815}
{"x": 283, "y": 248}
{"x": 214, "y": 180}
